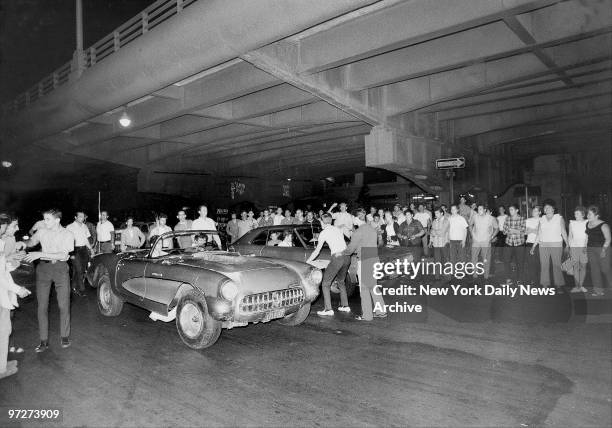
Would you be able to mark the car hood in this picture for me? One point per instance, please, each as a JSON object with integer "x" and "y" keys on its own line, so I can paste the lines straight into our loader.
{"x": 229, "y": 263}
{"x": 253, "y": 273}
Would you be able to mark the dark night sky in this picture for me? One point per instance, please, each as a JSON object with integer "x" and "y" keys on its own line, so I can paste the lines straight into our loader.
{"x": 38, "y": 36}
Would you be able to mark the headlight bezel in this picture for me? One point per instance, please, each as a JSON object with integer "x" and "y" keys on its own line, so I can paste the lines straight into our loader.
{"x": 315, "y": 276}
{"x": 229, "y": 290}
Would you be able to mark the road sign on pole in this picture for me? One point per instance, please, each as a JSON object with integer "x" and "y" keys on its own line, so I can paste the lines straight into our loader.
{"x": 450, "y": 163}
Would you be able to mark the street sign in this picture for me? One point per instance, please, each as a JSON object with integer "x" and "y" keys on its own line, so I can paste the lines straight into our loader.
{"x": 450, "y": 163}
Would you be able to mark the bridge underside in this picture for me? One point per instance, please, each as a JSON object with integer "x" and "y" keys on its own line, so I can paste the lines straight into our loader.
{"x": 305, "y": 90}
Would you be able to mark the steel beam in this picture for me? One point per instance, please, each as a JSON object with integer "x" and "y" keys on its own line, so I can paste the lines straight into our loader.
{"x": 490, "y": 122}
{"x": 402, "y": 25}
{"x": 281, "y": 61}
{"x": 202, "y": 37}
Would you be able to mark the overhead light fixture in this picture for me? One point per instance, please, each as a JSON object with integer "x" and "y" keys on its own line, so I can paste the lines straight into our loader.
{"x": 288, "y": 179}
{"x": 7, "y": 164}
{"x": 125, "y": 120}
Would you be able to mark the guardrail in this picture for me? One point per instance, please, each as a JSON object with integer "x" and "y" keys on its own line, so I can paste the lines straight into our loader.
{"x": 148, "y": 19}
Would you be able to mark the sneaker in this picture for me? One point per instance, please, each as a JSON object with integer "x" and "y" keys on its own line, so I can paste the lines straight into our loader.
{"x": 42, "y": 347}
{"x": 380, "y": 315}
{"x": 583, "y": 290}
{"x": 344, "y": 309}
{"x": 360, "y": 318}
{"x": 326, "y": 313}
{"x": 65, "y": 342}
{"x": 576, "y": 290}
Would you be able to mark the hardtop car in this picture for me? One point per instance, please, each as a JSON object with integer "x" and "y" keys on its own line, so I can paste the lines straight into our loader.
{"x": 304, "y": 240}
{"x": 203, "y": 288}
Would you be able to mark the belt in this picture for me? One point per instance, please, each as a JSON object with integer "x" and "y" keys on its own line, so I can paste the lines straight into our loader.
{"x": 103, "y": 242}
{"x": 52, "y": 261}
{"x": 80, "y": 246}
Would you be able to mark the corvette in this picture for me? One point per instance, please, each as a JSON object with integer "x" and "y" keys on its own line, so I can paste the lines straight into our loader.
{"x": 202, "y": 288}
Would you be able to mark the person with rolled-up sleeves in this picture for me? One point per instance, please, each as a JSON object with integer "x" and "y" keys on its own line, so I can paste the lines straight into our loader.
{"x": 56, "y": 244}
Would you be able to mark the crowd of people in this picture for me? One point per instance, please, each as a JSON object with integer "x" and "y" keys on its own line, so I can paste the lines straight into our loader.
{"x": 529, "y": 247}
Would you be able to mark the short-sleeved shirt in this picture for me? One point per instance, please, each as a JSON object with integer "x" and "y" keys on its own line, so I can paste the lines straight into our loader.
{"x": 58, "y": 240}
{"x": 132, "y": 237}
{"x": 410, "y": 229}
{"x": 203, "y": 224}
{"x": 278, "y": 219}
{"x": 265, "y": 222}
{"x": 532, "y": 223}
{"x": 458, "y": 228}
{"x": 103, "y": 231}
{"x": 578, "y": 233}
{"x": 483, "y": 228}
{"x": 343, "y": 220}
{"x": 439, "y": 232}
{"x": 243, "y": 227}
{"x": 423, "y": 217}
{"x": 334, "y": 238}
{"x": 550, "y": 230}
{"x": 184, "y": 241}
{"x": 80, "y": 232}
{"x": 514, "y": 239}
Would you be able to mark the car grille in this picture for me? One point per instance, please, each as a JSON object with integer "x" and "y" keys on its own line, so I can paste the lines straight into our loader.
{"x": 271, "y": 300}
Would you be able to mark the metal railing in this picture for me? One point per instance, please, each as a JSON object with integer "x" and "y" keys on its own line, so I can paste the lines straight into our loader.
{"x": 145, "y": 21}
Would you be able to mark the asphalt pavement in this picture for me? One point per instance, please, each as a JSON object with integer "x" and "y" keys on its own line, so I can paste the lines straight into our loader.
{"x": 464, "y": 361}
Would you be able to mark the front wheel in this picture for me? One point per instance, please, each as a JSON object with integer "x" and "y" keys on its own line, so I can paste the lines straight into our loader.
{"x": 194, "y": 324}
{"x": 109, "y": 303}
{"x": 297, "y": 317}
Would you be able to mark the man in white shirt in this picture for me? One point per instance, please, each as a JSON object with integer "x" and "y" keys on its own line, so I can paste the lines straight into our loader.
{"x": 182, "y": 225}
{"x": 484, "y": 229}
{"x": 243, "y": 224}
{"x": 278, "y": 217}
{"x": 160, "y": 228}
{"x": 105, "y": 231}
{"x": 205, "y": 223}
{"x": 424, "y": 217}
{"x": 338, "y": 265}
{"x": 82, "y": 249}
{"x": 343, "y": 220}
{"x": 457, "y": 233}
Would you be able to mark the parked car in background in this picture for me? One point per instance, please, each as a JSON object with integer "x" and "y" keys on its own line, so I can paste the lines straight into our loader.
{"x": 203, "y": 288}
{"x": 304, "y": 239}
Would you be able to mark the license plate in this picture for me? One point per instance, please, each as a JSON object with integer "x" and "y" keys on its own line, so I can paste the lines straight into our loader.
{"x": 277, "y": 313}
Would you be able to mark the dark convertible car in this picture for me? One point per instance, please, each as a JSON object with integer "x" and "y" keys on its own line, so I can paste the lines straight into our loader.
{"x": 297, "y": 241}
{"x": 184, "y": 277}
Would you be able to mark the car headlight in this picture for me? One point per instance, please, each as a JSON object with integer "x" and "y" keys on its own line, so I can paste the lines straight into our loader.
{"x": 315, "y": 276}
{"x": 229, "y": 290}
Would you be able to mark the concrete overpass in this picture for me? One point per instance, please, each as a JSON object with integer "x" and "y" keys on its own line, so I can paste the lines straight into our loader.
{"x": 262, "y": 91}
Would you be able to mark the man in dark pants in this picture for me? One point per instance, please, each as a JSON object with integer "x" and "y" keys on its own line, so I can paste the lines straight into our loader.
{"x": 82, "y": 248}
{"x": 338, "y": 265}
{"x": 364, "y": 245}
{"x": 56, "y": 243}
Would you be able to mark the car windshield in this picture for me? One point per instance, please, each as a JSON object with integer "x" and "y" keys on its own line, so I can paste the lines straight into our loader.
{"x": 186, "y": 242}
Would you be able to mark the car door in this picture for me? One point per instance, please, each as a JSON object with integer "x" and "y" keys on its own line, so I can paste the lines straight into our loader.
{"x": 162, "y": 278}
{"x": 254, "y": 244}
{"x": 130, "y": 275}
{"x": 309, "y": 235}
{"x": 297, "y": 251}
